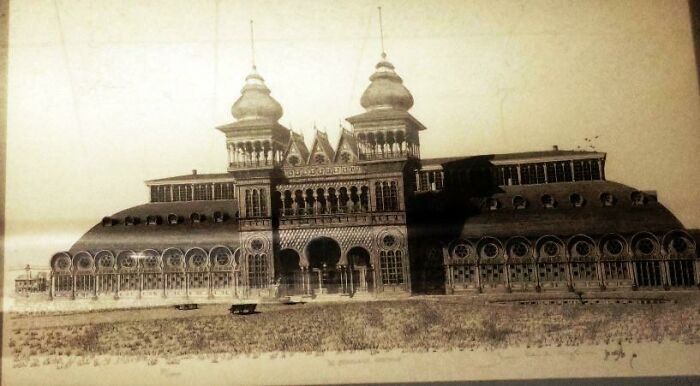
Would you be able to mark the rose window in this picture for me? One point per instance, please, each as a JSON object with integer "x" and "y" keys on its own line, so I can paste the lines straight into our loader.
{"x": 646, "y": 246}
{"x": 222, "y": 259}
{"x": 679, "y": 245}
{"x": 389, "y": 241}
{"x": 150, "y": 262}
{"x": 583, "y": 249}
{"x": 198, "y": 260}
{"x": 106, "y": 261}
{"x": 84, "y": 262}
{"x": 519, "y": 249}
{"x": 256, "y": 244}
{"x": 550, "y": 249}
{"x": 490, "y": 250}
{"x": 613, "y": 247}
{"x": 63, "y": 263}
{"x": 461, "y": 251}
{"x": 128, "y": 262}
{"x": 174, "y": 260}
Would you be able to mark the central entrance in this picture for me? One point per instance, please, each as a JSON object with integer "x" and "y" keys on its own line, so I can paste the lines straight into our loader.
{"x": 324, "y": 254}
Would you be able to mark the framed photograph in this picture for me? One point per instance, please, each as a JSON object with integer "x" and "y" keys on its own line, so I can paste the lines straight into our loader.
{"x": 308, "y": 192}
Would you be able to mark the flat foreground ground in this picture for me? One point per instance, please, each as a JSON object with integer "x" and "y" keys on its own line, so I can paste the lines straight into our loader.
{"x": 416, "y": 324}
{"x": 459, "y": 336}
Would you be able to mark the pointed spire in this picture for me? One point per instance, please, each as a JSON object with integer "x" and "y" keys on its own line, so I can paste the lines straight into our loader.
{"x": 252, "y": 45}
{"x": 381, "y": 32}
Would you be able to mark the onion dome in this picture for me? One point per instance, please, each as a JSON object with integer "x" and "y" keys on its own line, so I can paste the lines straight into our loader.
{"x": 255, "y": 101}
{"x": 386, "y": 90}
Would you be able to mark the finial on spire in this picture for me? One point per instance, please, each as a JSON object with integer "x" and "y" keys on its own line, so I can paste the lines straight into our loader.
{"x": 381, "y": 32}
{"x": 252, "y": 45}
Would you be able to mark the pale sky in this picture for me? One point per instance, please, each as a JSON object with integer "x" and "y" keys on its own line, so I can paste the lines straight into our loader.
{"x": 104, "y": 95}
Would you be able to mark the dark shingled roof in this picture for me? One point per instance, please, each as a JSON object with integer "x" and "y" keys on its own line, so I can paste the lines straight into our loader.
{"x": 183, "y": 235}
{"x": 565, "y": 220}
{"x": 514, "y": 156}
{"x": 190, "y": 177}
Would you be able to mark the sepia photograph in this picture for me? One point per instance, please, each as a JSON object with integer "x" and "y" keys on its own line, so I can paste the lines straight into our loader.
{"x": 351, "y": 192}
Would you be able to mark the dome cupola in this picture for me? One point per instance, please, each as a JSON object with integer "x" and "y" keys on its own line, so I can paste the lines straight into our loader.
{"x": 386, "y": 90}
{"x": 255, "y": 101}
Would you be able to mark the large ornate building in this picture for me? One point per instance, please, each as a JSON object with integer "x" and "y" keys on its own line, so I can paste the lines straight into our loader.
{"x": 370, "y": 217}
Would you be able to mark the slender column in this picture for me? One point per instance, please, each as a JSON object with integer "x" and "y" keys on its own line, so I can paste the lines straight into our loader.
{"x": 140, "y": 284}
{"x": 72, "y": 294}
{"x": 163, "y": 280}
{"x": 506, "y": 270}
{"x": 477, "y": 269}
{"x": 52, "y": 289}
{"x": 665, "y": 273}
{"x": 210, "y": 292}
{"x": 187, "y": 284}
{"x": 118, "y": 286}
{"x": 94, "y": 287}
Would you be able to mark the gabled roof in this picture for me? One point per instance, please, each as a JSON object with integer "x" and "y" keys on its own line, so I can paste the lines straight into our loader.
{"x": 321, "y": 143}
{"x": 347, "y": 138}
{"x": 296, "y": 144}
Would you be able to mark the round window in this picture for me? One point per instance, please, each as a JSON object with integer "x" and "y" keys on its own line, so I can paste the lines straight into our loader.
{"x": 319, "y": 158}
{"x": 128, "y": 262}
{"x": 63, "y": 263}
{"x": 174, "y": 260}
{"x": 490, "y": 250}
{"x": 389, "y": 241}
{"x": 222, "y": 259}
{"x": 198, "y": 260}
{"x": 550, "y": 248}
{"x": 645, "y": 246}
{"x": 613, "y": 247}
{"x": 150, "y": 261}
{"x": 293, "y": 160}
{"x": 106, "y": 261}
{"x": 582, "y": 248}
{"x": 519, "y": 249}
{"x": 462, "y": 251}
{"x": 84, "y": 262}
{"x": 256, "y": 244}
{"x": 679, "y": 245}
{"x": 345, "y": 157}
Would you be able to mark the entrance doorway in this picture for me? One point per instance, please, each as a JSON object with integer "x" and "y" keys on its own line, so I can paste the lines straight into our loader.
{"x": 360, "y": 270}
{"x": 324, "y": 254}
{"x": 288, "y": 273}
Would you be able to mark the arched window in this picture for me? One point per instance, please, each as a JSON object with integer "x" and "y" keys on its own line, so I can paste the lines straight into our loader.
{"x": 393, "y": 196}
{"x": 519, "y": 202}
{"x": 257, "y": 270}
{"x": 548, "y": 201}
{"x": 638, "y": 198}
{"x": 391, "y": 267}
{"x": 577, "y": 200}
{"x": 248, "y": 203}
{"x": 607, "y": 199}
{"x": 380, "y": 196}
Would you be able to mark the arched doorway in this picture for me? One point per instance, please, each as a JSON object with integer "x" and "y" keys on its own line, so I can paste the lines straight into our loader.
{"x": 323, "y": 254}
{"x": 360, "y": 270}
{"x": 288, "y": 272}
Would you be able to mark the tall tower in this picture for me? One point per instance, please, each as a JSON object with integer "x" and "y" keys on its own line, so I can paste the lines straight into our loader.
{"x": 388, "y": 145}
{"x": 256, "y": 143}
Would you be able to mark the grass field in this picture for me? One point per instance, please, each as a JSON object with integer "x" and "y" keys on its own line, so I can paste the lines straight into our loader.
{"x": 418, "y": 324}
